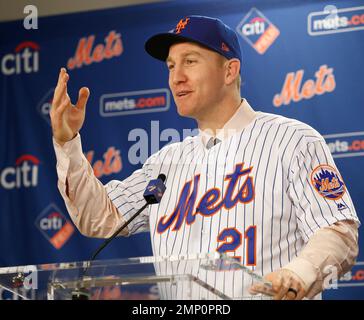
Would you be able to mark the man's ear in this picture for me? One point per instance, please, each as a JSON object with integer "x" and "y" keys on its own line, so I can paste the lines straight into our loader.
{"x": 232, "y": 70}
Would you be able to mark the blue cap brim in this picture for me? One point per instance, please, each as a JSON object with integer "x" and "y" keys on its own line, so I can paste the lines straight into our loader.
{"x": 158, "y": 45}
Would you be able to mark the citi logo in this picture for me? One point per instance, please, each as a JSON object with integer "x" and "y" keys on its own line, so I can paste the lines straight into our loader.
{"x": 25, "y": 59}
{"x": 255, "y": 27}
{"x": 23, "y": 174}
{"x": 54, "y": 226}
{"x": 258, "y": 31}
{"x": 51, "y": 222}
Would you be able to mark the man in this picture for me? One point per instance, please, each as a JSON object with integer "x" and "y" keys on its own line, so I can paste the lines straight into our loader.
{"x": 261, "y": 186}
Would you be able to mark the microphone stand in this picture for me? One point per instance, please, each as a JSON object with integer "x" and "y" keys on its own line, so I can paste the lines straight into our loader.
{"x": 83, "y": 293}
{"x": 153, "y": 194}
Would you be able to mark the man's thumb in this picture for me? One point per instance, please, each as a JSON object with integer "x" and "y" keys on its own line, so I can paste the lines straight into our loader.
{"x": 83, "y": 95}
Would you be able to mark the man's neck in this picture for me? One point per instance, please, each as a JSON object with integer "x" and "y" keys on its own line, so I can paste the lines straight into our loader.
{"x": 220, "y": 115}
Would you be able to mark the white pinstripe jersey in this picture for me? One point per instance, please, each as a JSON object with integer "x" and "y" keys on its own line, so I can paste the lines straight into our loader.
{"x": 259, "y": 195}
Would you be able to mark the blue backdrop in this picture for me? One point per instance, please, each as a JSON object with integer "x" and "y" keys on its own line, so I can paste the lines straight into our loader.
{"x": 301, "y": 59}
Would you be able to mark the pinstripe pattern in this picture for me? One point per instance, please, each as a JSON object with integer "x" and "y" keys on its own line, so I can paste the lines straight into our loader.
{"x": 286, "y": 209}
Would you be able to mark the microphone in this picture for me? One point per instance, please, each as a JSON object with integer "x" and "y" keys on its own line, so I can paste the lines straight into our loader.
{"x": 155, "y": 190}
{"x": 153, "y": 194}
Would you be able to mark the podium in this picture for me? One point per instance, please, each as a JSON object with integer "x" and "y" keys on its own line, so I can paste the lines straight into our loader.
{"x": 184, "y": 277}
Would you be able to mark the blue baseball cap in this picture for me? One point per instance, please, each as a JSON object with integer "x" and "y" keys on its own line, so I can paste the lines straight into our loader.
{"x": 209, "y": 32}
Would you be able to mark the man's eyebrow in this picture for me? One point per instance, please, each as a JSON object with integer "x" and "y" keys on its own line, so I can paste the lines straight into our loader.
{"x": 185, "y": 54}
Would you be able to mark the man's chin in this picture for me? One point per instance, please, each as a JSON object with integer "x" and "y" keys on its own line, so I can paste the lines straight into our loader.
{"x": 185, "y": 112}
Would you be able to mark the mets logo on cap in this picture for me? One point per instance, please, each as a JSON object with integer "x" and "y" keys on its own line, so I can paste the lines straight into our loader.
{"x": 181, "y": 25}
{"x": 328, "y": 182}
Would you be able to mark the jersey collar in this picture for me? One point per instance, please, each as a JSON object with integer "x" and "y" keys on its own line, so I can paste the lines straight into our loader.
{"x": 243, "y": 116}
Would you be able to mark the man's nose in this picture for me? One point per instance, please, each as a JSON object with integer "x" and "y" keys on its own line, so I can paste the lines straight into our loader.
{"x": 178, "y": 75}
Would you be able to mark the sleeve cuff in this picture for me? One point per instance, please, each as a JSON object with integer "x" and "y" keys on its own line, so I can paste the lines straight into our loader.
{"x": 69, "y": 156}
{"x": 304, "y": 269}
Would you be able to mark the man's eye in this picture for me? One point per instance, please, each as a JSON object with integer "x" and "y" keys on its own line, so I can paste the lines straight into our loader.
{"x": 188, "y": 61}
{"x": 170, "y": 66}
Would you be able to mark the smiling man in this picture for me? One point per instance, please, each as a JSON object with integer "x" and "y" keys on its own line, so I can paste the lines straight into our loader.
{"x": 260, "y": 186}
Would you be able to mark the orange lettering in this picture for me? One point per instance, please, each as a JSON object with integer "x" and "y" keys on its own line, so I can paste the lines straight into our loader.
{"x": 266, "y": 39}
{"x": 108, "y": 155}
{"x": 325, "y": 82}
{"x": 108, "y": 44}
{"x": 290, "y": 89}
{"x": 326, "y": 185}
{"x": 98, "y": 168}
{"x": 118, "y": 48}
{"x": 98, "y": 54}
{"x": 89, "y": 156}
{"x": 181, "y": 25}
{"x": 112, "y": 162}
{"x": 83, "y": 53}
{"x": 320, "y": 75}
{"x": 308, "y": 89}
{"x": 116, "y": 165}
{"x": 330, "y": 83}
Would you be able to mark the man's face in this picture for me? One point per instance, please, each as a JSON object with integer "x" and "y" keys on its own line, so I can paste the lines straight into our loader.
{"x": 196, "y": 79}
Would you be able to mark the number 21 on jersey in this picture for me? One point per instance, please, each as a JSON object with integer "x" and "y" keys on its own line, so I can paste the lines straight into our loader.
{"x": 231, "y": 239}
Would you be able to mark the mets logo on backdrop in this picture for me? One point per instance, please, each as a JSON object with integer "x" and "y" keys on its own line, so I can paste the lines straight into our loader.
{"x": 258, "y": 31}
{"x": 328, "y": 182}
{"x": 56, "y": 228}
{"x": 89, "y": 52}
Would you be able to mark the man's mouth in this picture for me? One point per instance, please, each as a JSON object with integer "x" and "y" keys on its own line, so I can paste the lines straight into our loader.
{"x": 183, "y": 93}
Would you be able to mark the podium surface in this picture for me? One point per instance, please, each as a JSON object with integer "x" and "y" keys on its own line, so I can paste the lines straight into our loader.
{"x": 183, "y": 277}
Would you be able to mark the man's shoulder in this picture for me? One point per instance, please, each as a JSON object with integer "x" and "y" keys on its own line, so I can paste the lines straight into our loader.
{"x": 170, "y": 149}
{"x": 179, "y": 144}
{"x": 295, "y": 127}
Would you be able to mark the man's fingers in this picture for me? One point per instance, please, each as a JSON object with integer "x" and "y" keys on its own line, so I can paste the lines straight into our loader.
{"x": 61, "y": 89}
{"x": 63, "y": 106}
{"x": 83, "y": 95}
{"x": 59, "y": 81}
{"x": 300, "y": 294}
{"x": 283, "y": 289}
{"x": 61, "y": 73}
{"x": 277, "y": 282}
{"x": 256, "y": 288}
{"x": 291, "y": 294}
{"x": 59, "y": 95}
{"x": 284, "y": 285}
{"x": 261, "y": 288}
{"x": 295, "y": 291}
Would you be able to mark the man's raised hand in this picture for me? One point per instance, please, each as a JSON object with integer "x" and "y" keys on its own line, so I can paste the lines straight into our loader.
{"x": 67, "y": 119}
